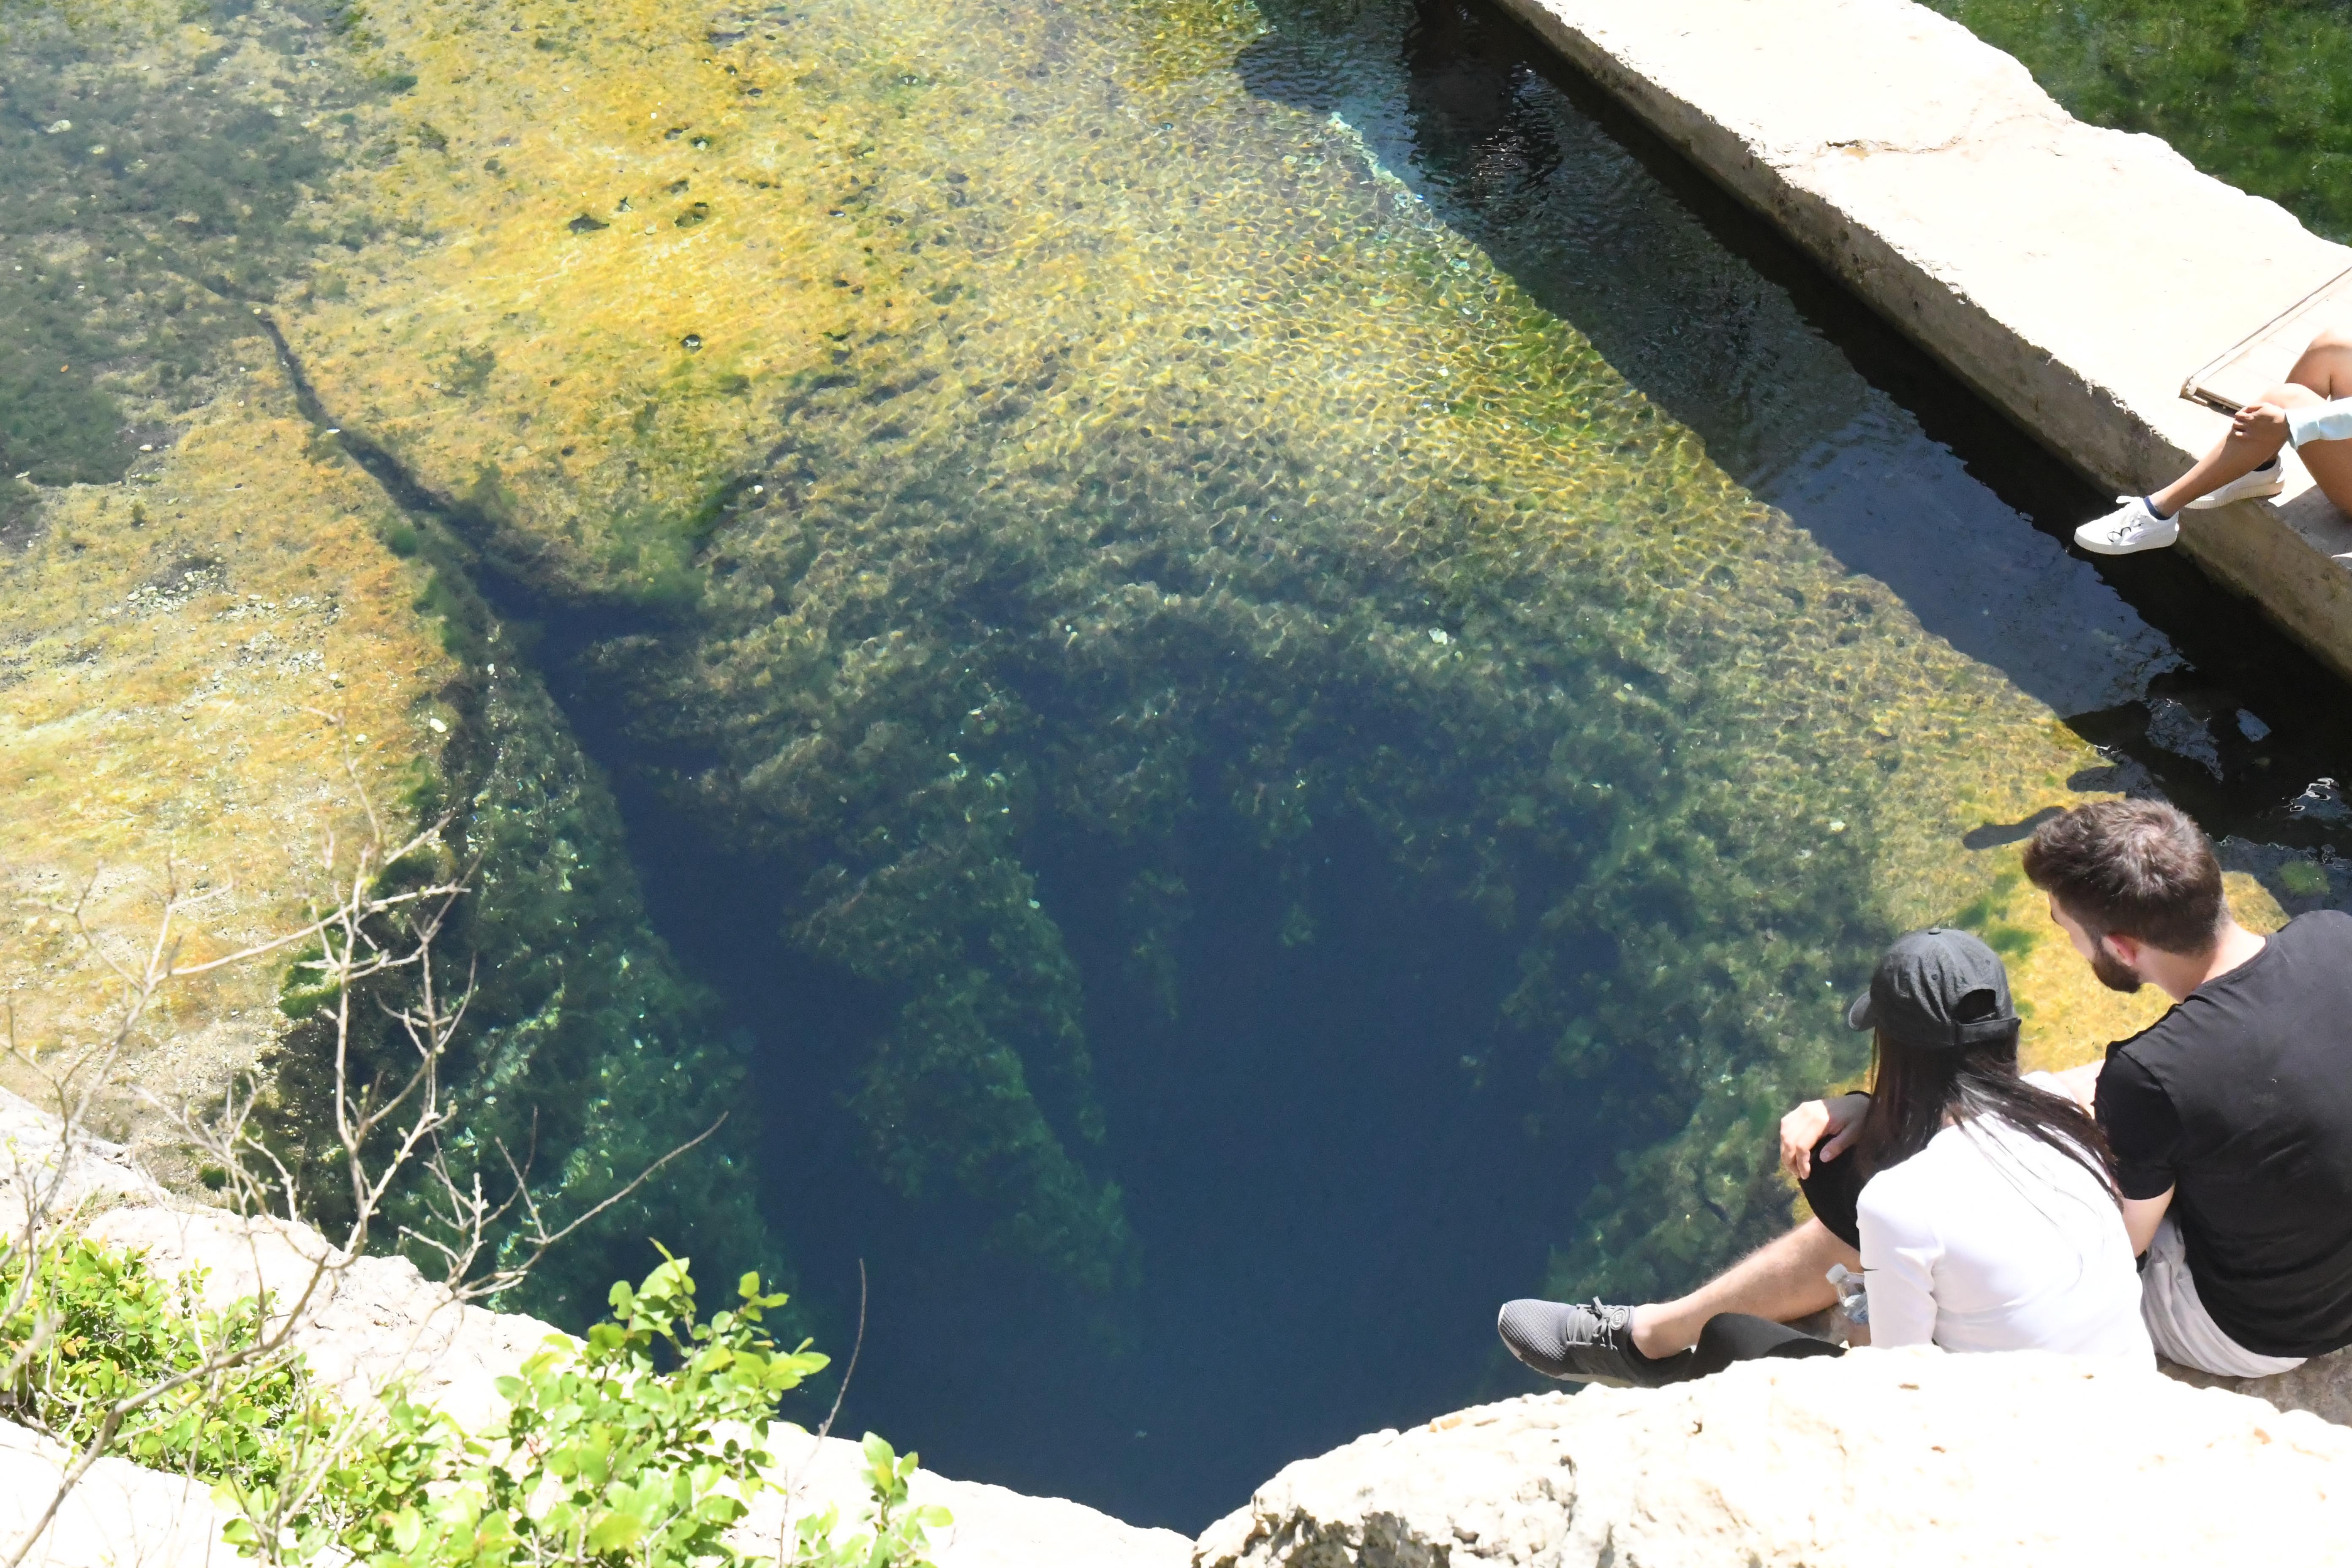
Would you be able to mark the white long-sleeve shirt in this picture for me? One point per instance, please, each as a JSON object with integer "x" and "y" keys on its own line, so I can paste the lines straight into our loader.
{"x": 2329, "y": 421}
{"x": 1987, "y": 1240}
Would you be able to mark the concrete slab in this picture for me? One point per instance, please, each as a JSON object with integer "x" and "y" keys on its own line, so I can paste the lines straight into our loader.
{"x": 1926, "y": 170}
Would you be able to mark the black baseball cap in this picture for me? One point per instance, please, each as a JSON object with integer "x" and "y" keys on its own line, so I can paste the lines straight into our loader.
{"x": 1938, "y": 989}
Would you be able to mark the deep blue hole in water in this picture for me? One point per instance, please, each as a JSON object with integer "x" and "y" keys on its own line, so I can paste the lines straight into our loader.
{"x": 1320, "y": 1147}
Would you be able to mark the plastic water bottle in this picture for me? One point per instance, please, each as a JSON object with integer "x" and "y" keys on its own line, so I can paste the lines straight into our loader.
{"x": 1852, "y": 1309}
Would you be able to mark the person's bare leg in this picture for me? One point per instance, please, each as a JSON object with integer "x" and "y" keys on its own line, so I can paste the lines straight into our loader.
{"x": 2326, "y": 366}
{"x": 1783, "y": 1279}
{"x": 2323, "y": 371}
{"x": 2236, "y": 456}
{"x": 2330, "y": 463}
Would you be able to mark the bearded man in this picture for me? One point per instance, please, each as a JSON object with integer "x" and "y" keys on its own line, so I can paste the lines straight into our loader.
{"x": 2230, "y": 1117}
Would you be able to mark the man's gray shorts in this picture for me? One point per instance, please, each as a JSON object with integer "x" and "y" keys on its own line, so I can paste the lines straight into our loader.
{"x": 2178, "y": 1323}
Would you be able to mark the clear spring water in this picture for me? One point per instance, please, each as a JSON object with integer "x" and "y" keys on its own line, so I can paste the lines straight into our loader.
{"x": 1278, "y": 673}
{"x": 1347, "y": 1107}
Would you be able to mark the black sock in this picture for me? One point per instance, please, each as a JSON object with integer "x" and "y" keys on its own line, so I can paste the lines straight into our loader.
{"x": 2265, "y": 467}
{"x": 2150, "y": 502}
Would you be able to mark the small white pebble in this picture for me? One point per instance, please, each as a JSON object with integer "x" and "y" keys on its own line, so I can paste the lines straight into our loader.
{"x": 437, "y": 727}
{"x": 1836, "y": 824}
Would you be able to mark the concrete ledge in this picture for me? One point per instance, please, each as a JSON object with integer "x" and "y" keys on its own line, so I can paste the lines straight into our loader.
{"x": 1926, "y": 170}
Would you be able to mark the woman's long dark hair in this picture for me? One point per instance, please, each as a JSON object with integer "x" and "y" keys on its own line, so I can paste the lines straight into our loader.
{"x": 1913, "y": 1090}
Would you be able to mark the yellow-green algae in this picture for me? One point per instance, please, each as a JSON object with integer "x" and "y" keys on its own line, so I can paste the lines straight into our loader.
{"x": 208, "y": 613}
{"x": 1014, "y": 426}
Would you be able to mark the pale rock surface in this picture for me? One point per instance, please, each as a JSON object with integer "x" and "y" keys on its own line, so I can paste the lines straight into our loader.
{"x": 363, "y": 1321}
{"x": 368, "y": 1320}
{"x": 2321, "y": 1385}
{"x": 1929, "y": 171}
{"x": 1912, "y": 1457}
{"x": 372, "y": 1319}
{"x": 119, "y": 1516}
{"x": 30, "y": 1153}
{"x": 994, "y": 1528}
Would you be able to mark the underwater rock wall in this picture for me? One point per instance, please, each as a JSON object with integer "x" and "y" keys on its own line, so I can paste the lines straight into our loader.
{"x": 982, "y": 434}
{"x": 985, "y": 430}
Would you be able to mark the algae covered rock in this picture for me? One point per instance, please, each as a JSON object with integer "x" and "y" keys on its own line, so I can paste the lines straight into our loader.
{"x": 226, "y": 643}
{"x": 985, "y": 449}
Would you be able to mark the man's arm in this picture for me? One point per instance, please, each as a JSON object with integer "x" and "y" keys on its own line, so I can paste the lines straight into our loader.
{"x": 2141, "y": 1216}
{"x": 1802, "y": 1128}
{"x": 2144, "y": 1132}
{"x": 2080, "y": 1085}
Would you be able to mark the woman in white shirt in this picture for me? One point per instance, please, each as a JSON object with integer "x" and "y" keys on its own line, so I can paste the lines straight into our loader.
{"x": 1981, "y": 1201}
{"x": 2311, "y": 410}
{"x": 1987, "y": 1217}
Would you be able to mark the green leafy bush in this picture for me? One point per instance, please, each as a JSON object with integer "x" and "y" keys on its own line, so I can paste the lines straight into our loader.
{"x": 603, "y": 1458}
{"x": 637, "y": 1449}
{"x": 101, "y": 1326}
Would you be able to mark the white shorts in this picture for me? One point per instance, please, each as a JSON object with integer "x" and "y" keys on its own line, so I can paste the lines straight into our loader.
{"x": 2178, "y": 1323}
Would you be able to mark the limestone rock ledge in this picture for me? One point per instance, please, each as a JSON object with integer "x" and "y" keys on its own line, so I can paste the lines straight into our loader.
{"x": 1894, "y": 1456}
{"x": 381, "y": 1318}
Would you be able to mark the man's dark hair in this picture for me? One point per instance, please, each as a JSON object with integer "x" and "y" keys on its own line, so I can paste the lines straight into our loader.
{"x": 2139, "y": 869}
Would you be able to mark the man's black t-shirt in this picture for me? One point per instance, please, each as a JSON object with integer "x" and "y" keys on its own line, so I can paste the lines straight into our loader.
{"x": 2241, "y": 1099}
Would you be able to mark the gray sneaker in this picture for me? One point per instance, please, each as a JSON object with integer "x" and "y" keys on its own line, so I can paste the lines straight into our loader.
{"x": 1584, "y": 1344}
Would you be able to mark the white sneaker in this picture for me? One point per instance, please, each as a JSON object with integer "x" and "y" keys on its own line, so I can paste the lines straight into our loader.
{"x": 2128, "y": 529}
{"x": 2261, "y": 483}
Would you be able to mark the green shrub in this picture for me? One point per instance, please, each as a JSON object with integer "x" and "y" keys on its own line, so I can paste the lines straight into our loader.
{"x": 602, "y": 1457}
{"x": 636, "y": 1449}
{"x": 113, "y": 1329}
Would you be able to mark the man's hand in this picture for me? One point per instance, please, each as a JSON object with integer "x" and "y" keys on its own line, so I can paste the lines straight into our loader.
{"x": 2263, "y": 422}
{"x": 1802, "y": 1128}
{"x": 2082, "y": 1084}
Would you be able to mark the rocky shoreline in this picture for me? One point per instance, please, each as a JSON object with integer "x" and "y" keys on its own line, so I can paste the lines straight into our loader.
{"x": 1945, "y": 1458}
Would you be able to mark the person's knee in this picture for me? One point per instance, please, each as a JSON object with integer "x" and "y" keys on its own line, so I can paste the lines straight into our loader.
{"x": 2331, "y": 340}
{"x": 2290, "y": 395}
